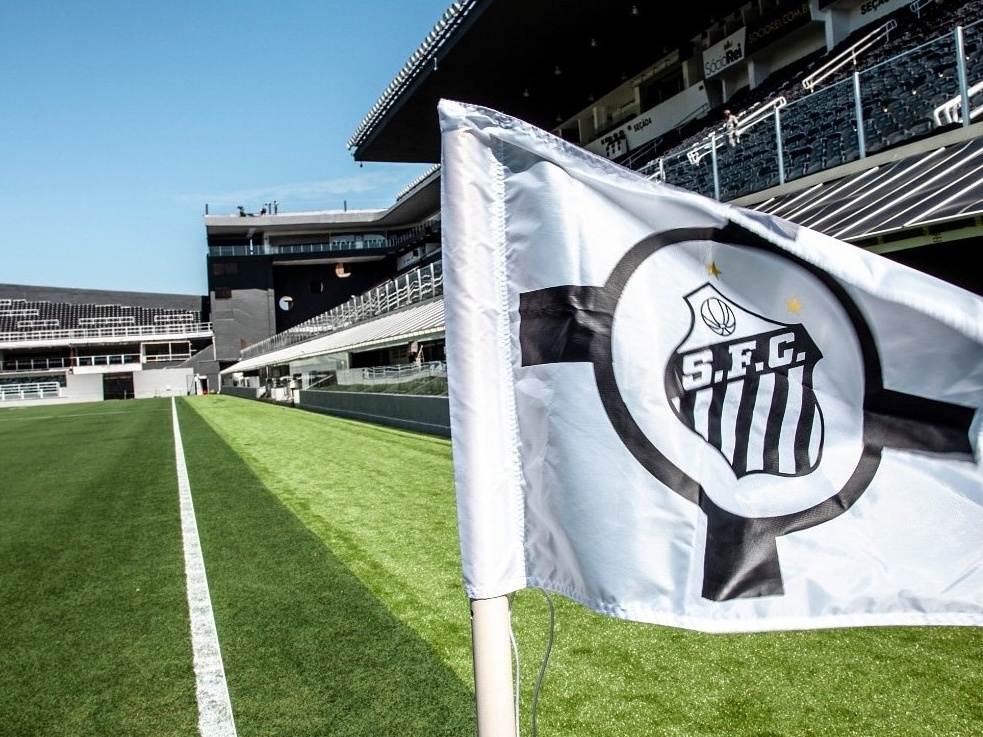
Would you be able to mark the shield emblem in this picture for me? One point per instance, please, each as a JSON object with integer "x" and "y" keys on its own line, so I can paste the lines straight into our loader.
{"x": 743, "y": 382}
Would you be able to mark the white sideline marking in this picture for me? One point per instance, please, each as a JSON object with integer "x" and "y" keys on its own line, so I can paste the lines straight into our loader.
{"x": 214, "y": 706}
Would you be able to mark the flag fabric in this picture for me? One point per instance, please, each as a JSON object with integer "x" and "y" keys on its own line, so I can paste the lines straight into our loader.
{"x": 677, "y": 411}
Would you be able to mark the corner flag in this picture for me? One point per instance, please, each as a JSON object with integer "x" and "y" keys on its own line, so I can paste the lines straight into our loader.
{"x": 678, "y": 411}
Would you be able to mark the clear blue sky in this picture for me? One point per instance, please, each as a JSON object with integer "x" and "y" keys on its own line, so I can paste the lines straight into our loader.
{"x": 121, "y": 119}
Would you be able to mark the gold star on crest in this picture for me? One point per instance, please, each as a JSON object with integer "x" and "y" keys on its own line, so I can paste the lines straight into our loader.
{"x": 794, "y": 305}
{"x": 714, "y": 270}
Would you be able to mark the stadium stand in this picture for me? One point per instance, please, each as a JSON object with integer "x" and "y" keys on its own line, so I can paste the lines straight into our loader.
{"x": 883, "y": 92}
{"x": 65, "y": 345}
{"x": 289, "y": 278}
{"x": 839, "y": 101}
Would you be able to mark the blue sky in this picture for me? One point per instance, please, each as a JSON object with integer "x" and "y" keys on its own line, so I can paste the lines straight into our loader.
{"x": 122, "y": 119}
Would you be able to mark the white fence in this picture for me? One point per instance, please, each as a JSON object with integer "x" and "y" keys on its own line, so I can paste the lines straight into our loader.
{"x": 183, "y": 330}
{"x": 30, "y": 390}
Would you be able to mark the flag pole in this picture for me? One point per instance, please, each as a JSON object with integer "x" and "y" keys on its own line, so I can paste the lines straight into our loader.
{"x": 492, "y": 648}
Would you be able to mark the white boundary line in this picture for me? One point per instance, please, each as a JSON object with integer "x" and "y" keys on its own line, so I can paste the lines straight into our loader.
{"x": 214, "y": 706}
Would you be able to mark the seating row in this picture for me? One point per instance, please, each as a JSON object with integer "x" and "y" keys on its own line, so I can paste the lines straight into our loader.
{"x": 30, "y": 316}
{"x": 902, "y": 85}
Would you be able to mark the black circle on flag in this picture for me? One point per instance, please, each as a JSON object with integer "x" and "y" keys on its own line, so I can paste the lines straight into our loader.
{"x": 743, "y": 378}
{"x": 762, "y": 360}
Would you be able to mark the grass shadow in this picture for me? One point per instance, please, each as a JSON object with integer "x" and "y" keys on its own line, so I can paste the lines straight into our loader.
{"x": 306, "y": 647}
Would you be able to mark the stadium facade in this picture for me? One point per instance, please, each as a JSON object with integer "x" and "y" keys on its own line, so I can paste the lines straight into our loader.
{"x": 854, "y": 118}
{"x": 277, "y": 280}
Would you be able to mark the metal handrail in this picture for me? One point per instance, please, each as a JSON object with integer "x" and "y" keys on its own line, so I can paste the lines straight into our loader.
{"x": 849, "y": 55}
{"x": 916, "y": 6}
{"x": 410, "y": 288}
{"x": 750, "y": 119}
{"x": 950, "y": 111}
{"x": 30, "y": 390}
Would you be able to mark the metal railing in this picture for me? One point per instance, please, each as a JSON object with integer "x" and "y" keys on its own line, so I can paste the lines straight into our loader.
{"x": 415, "y": 286}
{"x": 395, "y": 374}
{"x": 849, "y": 56}
{"x": 35, "y": 364}
{"x": 335, "y": 243}
{"x": 56, "y": 364}
{"x": 167, "y": 357}
{"x": 428, "y": 227}
{"x": 198, "y": 330}
{"x": 951, "y": 110}
{"x": 743, "y": 125}
{"x": 865, "y": 112}
{"x": 29, "y": 390}
{"x": 375, "y": 242}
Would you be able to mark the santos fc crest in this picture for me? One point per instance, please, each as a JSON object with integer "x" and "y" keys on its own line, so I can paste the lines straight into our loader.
{"x": 744, "y": 384}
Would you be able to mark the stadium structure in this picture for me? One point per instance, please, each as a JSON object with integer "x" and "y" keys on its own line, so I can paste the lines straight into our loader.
{"x": 853, "y": 117}
{"x": 77, "y": 345}
{"x": 280, "y": 280}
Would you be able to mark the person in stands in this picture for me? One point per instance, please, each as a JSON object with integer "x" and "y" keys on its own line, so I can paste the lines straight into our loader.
{"x": 730, "y": 124}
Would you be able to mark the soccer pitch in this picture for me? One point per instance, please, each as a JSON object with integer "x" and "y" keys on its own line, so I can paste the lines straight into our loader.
{"x": 333, "y": 569}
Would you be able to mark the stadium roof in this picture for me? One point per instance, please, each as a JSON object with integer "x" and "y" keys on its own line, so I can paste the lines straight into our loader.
{"x": 419, "y": 200}
{"x": 417, "y": 322}
{"x": 490, "y": 52}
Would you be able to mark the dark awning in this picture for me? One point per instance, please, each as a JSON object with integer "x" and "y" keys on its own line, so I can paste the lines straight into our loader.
{"x": 491, "y": 52}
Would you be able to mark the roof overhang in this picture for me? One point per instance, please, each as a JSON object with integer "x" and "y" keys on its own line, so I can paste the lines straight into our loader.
{"x": 417, "y": 322}
{"x": 420, "y": 200}
{"x": 490, "y": 52}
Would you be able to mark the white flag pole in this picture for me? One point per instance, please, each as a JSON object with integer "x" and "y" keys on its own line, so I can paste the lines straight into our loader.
{"x": 491, "y": 645}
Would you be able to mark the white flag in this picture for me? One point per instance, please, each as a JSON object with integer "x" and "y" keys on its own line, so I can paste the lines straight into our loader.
{"x": 677, "y": 411}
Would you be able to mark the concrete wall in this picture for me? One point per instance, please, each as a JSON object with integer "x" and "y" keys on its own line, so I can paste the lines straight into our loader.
{"x": 172, "y": 382}
{"x": 418, "y": 413}
{"x": 246, "y": 392}
{"x": 84, "y": 387}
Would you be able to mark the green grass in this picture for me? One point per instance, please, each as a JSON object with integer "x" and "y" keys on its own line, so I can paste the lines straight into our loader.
{"x": 307, "y": 648}
{"x": 93, "y": 609}
{"x": 334, "y": 569}
{"x": 395, "y": 529}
